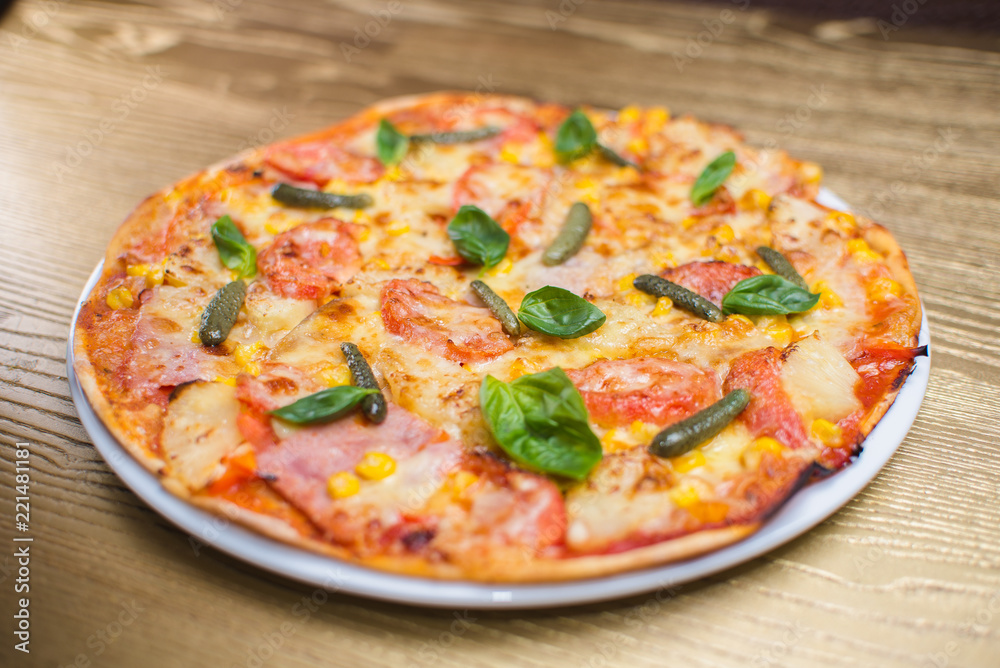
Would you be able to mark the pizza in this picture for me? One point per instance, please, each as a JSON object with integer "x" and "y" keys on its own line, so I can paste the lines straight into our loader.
{"x": 493, "y": 339}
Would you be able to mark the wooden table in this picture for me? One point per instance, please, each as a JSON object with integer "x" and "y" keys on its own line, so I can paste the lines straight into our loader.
{"x": 102, "y": 103}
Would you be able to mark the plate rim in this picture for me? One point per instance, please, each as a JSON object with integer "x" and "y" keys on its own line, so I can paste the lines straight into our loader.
{"x": 328, "y": 573}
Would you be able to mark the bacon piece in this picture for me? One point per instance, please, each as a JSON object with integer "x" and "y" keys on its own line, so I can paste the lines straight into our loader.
{"x": 650, "y": 389}
{"x": 311, "y": 260}
{"x": 416, "y": 311}
{"x": 712, "y": 280}
{"x": 770, "y": 412}
{"x": 321, "y": 161}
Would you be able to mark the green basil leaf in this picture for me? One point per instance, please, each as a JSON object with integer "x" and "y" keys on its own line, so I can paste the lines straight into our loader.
{"x": 559, "y": 312}
{"x": 712, "y": 177}
{"x": 478, "y": 238}
{"x": 391, "y": 145}
{"x": 575, "y": 138}
{"x": 768, "y": 294}
{"x": 234, "y": 250}
{"x": 324, "y": 405}
{"x": 540, "y": 420}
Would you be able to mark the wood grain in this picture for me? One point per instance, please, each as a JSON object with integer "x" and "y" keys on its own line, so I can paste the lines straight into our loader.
{"x": 908, "y": 574}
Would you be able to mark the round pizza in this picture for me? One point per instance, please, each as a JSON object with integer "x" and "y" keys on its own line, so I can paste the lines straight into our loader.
{"x": 493, "y": 339}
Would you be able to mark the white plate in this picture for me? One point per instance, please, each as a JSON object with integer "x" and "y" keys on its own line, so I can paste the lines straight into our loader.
{"x": 807, "y": 508}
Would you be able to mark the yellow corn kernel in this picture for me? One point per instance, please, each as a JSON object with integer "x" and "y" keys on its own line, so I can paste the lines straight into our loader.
{"x": 461, "y": 482}
{"x": 690, "y": 222}
{"x": 643, "y": 431}
{"x": 519, "y": 367}
{"x": 637, "y": 145}
{"x": 629, "y": 114}
{"x": 625, "y": 282}
{"x": 545, "y": 155}
{"x": 377, "y": 263}
{"x": 828, "y": 299}
{"x": 663, "y": 306}
{"x": 781, "y": 332}
{"x": 656, "y": 118}
{"x": 811, "y": 172}
{"x": 508, "y": 154}
{"x": 195, "y": 338}
{"x": 244, "y": 354}
{"x": 613, "y": 441}
{"x": 709, "y": 512}
{"x": 364, "y": 233}
{"x": 753, "y": 452}
{"x": 740, "y": 319}
{"x": 137, "y": 269}
{"x": 173, "y": 280}
{"x": 827, "y": 433}
{"x": 724, "y": 234}
{"x": 586, "y": 183}
{"x": 861, "y": 251}
{"x": 755, "y": 200}
{"x": 882, "y": 289}
{"x": 334, "y": 376}
{"x": 271, "y": 228}
{"x": 639, "y": 299}
{"x": 396, "y": 228}
{"x": 685, "y": 463}
{"x": 393, "y": 173}
{"x": 502, "y": 267}
{"x": 120, "y": 297}
{"x": 375, "y": 466}
{"x": 842, "y": 219}
{"x": 728, "y": 254}
{"x": 155, "y": 276}
{"x": 342, "y": 485}
{"x": 226, "y": 380}
{"x": 685, "y": 496}
{"x": 662, "y": 259}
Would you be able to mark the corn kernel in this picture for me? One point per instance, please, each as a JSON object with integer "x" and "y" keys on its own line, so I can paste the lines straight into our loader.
{"x": 638, "y": 299}
{"x": 684, "y": 497}
{"x": 173, "y": 280}
{"x": 461, "y": 482}
{"x": 519, "y": 367}
{"x": 656, "y": 118}
{"x": 120, "y": 297}
{"x": 753, "y": 452}
{"x": 155, "y": 276}
{"x": 613, "y": 441}
{"x": 375, "y": 466}
{"x": 392, "y": 174}
{"x": 740, "y": 319}
{"x": 377, "y": 263}
{"x": 137, "y": 269}
{"x": 724, "y": 234}
{"x": 882, "y": 289}
{"x": 755, "y": 199}
{"x": 625, "y": 282}
{"x": 781, "y": 332}
{"x": 502, "y": 267}
{"x": 663, "y": 306}
{"x": 690, "y": 222}
{"x": 644, "y": 431}
{"x": 861, "y": 251}
{"x": 688, "y": 462}
{"x": 396, "y": 228}
{"x": 364, "y": 233}
{"x": 827, "y": 433}
{"x": 508, "y": 154}
{"x": 244, "y": 354}
{"x": 334, "y": 376}
{"x": 637, "y": 145}
{"x": 709, "y": 512}
{"x": 226, "y": 380}
{"x": 342, "y": 485}
{"x": 842, "y": 219}
{"x": 629, "y": 114}
{"x": 811, "y": 172}
{"x": 586, "y": 183}
{"x": 828, "y": 299}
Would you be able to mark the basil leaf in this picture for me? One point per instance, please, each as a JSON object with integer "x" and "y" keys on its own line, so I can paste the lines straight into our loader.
{"x": 324, "y": 405}
{"x": 234, "y": 250}
{"x": 712, "y": 177}
{"x": 391, "y": 145}
{"x": 575, "y": 138}
{"x": 559, "y": 312}
{"x": 540, "y": 420}
{"x": 478, "y": 238}
{"x": 768, "y": 294}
